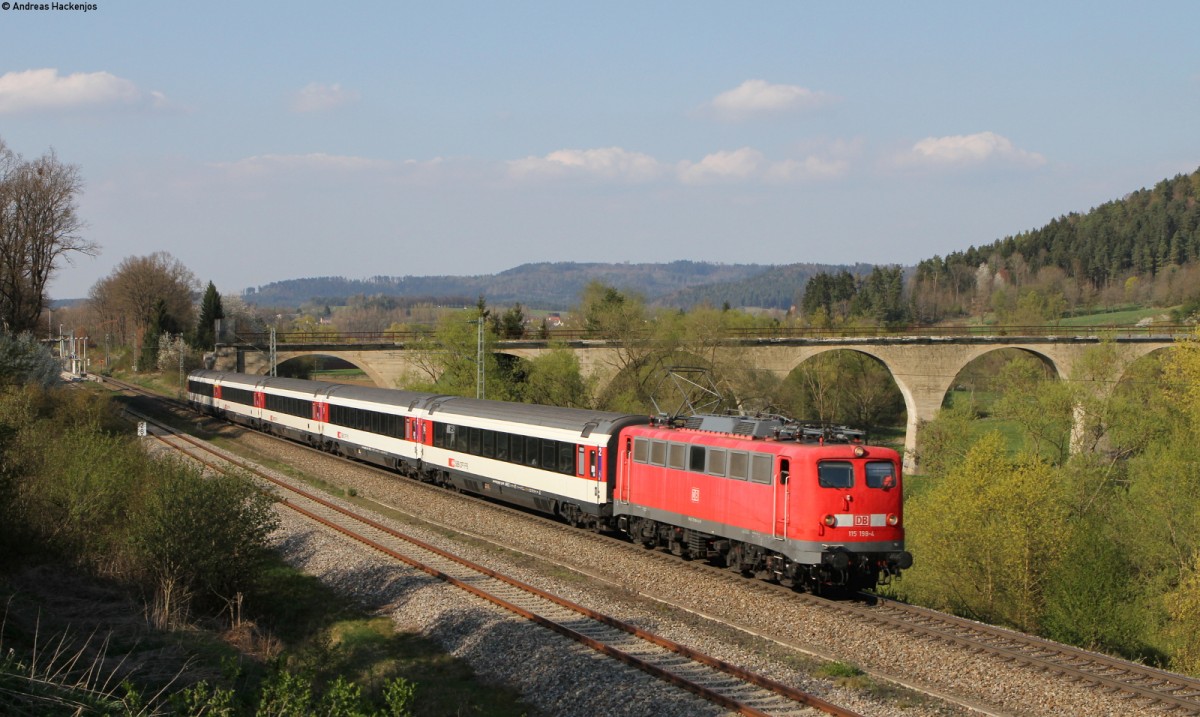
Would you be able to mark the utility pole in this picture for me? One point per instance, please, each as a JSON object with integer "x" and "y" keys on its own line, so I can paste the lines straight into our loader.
{"x": 480, "y": 371}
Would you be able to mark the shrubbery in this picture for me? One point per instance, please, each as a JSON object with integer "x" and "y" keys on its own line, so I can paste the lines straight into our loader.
{"x": 1091, "y": 533}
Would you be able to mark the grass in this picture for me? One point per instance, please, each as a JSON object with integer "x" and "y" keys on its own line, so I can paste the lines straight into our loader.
{"x": 1123, "y": 317}
{"x": 326, "y": 637}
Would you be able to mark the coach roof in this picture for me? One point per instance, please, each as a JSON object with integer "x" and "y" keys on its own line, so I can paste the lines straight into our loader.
{"x": 584, "y": 420}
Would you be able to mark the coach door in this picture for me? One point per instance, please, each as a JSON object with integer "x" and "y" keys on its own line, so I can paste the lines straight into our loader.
{"x": 626, "y": 470}
{"x": 585, "y": 467}
{"x": 780, "y": 483}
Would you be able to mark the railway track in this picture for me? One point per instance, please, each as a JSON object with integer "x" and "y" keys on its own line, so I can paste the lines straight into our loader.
{"x": 1167, "y": 692}
{"x": 729, "y": 686}
{"x": 1164, "y": 692}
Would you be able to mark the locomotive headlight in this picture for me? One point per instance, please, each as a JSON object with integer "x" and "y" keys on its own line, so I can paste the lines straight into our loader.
{"x": 830, "y": 521}
{"x": 859, "y": 451}
{"x": 893, "y": 519}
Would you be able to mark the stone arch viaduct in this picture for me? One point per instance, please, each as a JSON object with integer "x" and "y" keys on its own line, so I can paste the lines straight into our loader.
{"x": 923, "y": 367}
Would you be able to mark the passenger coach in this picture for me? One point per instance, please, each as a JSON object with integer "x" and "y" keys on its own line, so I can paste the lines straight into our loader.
{"x": 555, "y": 460}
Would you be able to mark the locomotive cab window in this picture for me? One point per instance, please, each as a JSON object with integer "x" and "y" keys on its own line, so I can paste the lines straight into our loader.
{"x": 739, "y": 464}
{"x": 716, "y": 461}
{"x": 658, "y": 453}
{"x": 835, "y": 474}
{"x": 676, "y": 455}
{"x": 881, "y": 474}
{"x": 641, "y": 450}
{"x": 760, "y": 467}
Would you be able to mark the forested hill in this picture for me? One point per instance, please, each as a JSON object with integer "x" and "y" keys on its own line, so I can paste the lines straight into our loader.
{"x": 542, "y": 285}
{"x": 1141, "y": 234}
{"x": 778, "y": 287}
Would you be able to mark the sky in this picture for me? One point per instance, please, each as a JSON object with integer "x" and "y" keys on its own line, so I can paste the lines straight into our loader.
{"x": 263, "y": 141}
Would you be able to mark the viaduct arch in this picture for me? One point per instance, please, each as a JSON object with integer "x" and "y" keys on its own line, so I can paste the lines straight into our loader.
{"x": 924, "y": 368}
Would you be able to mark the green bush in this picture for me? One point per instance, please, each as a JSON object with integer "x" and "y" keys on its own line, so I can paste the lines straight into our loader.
{"x": 204, "y": 535}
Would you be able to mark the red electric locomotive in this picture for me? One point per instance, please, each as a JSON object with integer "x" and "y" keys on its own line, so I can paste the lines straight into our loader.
{"x": 811, "y": 506}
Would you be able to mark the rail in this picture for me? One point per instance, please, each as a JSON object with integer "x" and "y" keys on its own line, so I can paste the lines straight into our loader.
{"x": 404, "y": 338}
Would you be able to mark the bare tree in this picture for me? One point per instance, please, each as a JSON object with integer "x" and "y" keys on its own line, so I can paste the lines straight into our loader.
{"x": 146, "y": 295}
{"x": 39, "y": 226}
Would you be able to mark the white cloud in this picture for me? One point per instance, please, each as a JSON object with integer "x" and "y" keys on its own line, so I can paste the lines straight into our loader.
{"x": 754, "y": 97}
{"x": 316, "y": 162}
{"x": 607, "y": 163}
{"x": 969, "y": 150}
{"x": 726, "y": 166}
{"x": 736, "y": 165}
{"x": 808, "y": 168}
{"x": 316, "y": 97}
{"x": 34, "y": 90}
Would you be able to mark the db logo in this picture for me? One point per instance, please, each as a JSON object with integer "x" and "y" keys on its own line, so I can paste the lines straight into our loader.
{"x": 695, "y": 495}
{"x": 862, "y": 520}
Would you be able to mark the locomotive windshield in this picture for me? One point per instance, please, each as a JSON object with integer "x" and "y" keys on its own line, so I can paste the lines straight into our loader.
{"x": 835, "y": 474}
{"x": 881, "y": 474}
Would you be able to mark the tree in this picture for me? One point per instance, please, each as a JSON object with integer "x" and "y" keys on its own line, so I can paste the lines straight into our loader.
{"x": 445, "y": 359}
{"x": 210, "y": 312}
{"x": 555, "y": 379}
{"x": 989, "y": 536}
{"x": 1042, "y": 405}
{"x": 638, "y": 350}
{"x": 24, "y": 361}
{"x": 510, "y": 324}
{"x": 38, "y": 228}
{"x": 146, "y": 295}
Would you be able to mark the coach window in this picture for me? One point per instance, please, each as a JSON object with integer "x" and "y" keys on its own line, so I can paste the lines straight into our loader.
{"x": 517, "y": 446}
{"x": 881, "y": 474}
{"x": 676, "y": 455}
{"x": 658, "y": 453}
{"x": 716, "y": 461}
{"x": 566, "y": 458}
{"x": 739, "y": 465}
{"x": 641, "y": 450}
{"x": 835, "y": 474}
{"x": 549, "y": 455}
{"x": 760, "y": 467}
{"x": 476, "y": 440}
{"x": 533, "y": 448}
{"x": 489, "y": 444}
{"x": 439, "y": 435}
{"x": 696, "y": 462}
{"x": 501, "y": 446}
